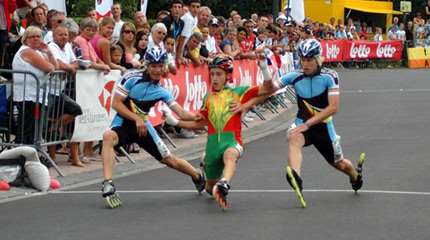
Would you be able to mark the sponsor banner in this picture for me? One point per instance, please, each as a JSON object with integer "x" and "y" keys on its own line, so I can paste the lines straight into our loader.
{"x": 95, "y": 103}
{"x": 332, "y": 50}
{"x": 359, "y": 50}
{"x": 344, "y": 50}
{"x": 419, "y": 57}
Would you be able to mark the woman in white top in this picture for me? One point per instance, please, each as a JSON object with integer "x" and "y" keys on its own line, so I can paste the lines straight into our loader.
{"x": 34, "y": 56}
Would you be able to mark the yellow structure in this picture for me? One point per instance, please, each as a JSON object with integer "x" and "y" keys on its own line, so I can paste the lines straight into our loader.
{"x": 323, "y": 10}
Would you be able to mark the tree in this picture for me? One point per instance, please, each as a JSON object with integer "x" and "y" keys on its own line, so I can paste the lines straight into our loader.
{"x": 78, "y": 8}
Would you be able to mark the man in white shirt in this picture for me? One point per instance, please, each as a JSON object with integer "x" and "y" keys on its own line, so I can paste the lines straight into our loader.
{"x": 63, "y": 52}
{"x": 190, "y": 22}
{"x": 116, "y": 14}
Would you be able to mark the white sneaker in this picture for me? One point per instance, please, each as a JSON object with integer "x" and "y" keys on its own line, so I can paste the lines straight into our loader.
{"x": 184, "y": 133}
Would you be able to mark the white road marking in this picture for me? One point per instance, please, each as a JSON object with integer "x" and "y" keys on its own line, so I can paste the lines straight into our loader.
{"x": 253, "y": 191}
{"x": 384, "y": 90}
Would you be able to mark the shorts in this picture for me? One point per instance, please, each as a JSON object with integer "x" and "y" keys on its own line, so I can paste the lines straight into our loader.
{"x": 318, "y": 135}
{"x": 152, "y": 143}
{"x": 63, "y": 103}
{"x": 214, "y": 156}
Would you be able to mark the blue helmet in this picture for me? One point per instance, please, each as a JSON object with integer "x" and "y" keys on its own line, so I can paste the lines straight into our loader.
{"x": 155, "y": 55}
{"x": 309, "y": 48}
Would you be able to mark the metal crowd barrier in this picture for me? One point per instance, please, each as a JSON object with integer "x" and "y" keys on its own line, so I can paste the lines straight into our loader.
{"x": 39, "y": 120}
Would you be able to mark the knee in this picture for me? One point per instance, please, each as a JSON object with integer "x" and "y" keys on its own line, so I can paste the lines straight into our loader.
{"x": 109, "y": 138}
{"x": 294, "y": 139}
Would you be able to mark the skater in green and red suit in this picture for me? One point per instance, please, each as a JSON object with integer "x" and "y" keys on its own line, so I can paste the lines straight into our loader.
{"x": 221, "y": 112}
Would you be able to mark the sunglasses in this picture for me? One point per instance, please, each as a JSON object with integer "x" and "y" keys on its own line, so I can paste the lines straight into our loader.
{"x": 128, "y": 32}
{"x": 59, "y": 21}
{"x": 162, "y": 33}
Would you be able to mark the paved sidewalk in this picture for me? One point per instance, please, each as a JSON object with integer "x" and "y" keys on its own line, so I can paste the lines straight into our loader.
{"x": 189, "y": 149}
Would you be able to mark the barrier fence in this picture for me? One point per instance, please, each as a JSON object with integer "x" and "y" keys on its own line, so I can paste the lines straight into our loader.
{"x": 36, "y": 110}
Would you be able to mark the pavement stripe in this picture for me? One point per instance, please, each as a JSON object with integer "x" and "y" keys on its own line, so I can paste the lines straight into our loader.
{"x": 254, "y": 191}
{"x": 384, "y": 90}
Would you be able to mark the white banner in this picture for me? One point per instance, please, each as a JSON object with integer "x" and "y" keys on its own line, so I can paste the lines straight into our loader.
{"x": 143, "y": 6}
{"x": 94, "y": 93}
{"x": 103, "y": 7}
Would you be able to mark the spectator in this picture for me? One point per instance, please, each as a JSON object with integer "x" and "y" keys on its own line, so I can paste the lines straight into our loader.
{"x": 263, "y": 23}
{"x": 39, "y": 19}
{"x": 203, "y": 18}
{"x": 190, "y": 22}
{"x": 410, "y": 34}
{"x": 281, "y": 20}
{"x": 395, "y": 25}
{"x": 350, "y": 25}
{"x": 215, "y": 31}
{"x": 418, "y": 20}
{"x": 401, "y": 34}
{"x": 236, "y": 19}
{"x": 246, "y": 46}
{"x": 88, "y": 29}
{"x": 140, "y": 21}
{"x": 392, "y": 33}
{"x": 364, "y": 33}
{"x": 341, "y": 33}
{"x": 101, "y": 43}
{"x": 173, "y": 22}
{"x": 73, "y": 28}
{"x": 209, "y": 42}
{"x": 249, "y": 26}
{"x": 161, "y": 15}
{"x": 23, "y": 7}
{"x": 158, "y": 33}
{"x": 332, "y": 22}
{"x": 126, "y": 42}
{"x": 192, "y": 51}
{"x": 34, "y": 57}
{"x": 54, "y": 20}
{"x": 141, "y": 44}
{"x": 169, "y": 44}
{"x": 116, "y": 53}
{"x": 229, "y": 45}
{"x": 92, "y": 13}
{"x": 3, "y": 28}
{"x": 260, "y": 41}
{"x": 254, "y": 17}
{"x": 378, "y": 35}
{"x": 353, "y": 35}
{"x": 116, "y": 14}
{"x": 16, "y": 30}
{"x": 63, "y": 53}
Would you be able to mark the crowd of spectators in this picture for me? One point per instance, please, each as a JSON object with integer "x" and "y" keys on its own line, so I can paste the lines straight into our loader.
{"x": 38, "y": 38}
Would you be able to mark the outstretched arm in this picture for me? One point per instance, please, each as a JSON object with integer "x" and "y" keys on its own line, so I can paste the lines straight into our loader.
{"x": 199, "y": 122}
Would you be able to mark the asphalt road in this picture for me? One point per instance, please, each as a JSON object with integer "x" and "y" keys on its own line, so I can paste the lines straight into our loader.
{"x": 384, "y": 113}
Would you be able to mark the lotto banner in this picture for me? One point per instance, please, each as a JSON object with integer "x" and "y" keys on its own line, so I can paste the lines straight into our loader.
{"x": 344, "y": 50}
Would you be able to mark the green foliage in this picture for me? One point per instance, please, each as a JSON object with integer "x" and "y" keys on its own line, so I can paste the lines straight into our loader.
{"x": 78, "y": 8}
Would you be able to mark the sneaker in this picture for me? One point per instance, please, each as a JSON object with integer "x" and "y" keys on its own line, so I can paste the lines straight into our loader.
{"x": 358, "y": 183}
{"x": 220, "y": 192}
{"x": 110, "y": 195}
{"x": 296, "y": 183}
{"x": 200, "y": 184}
